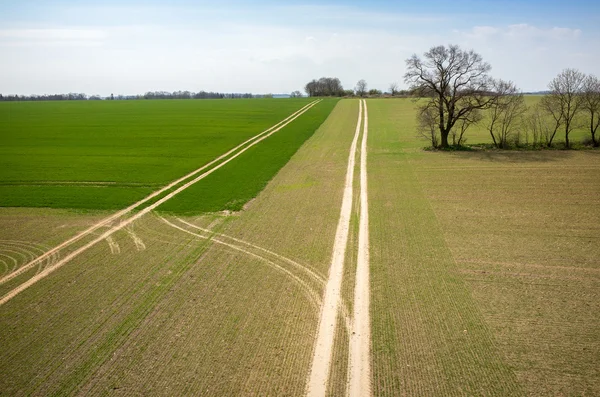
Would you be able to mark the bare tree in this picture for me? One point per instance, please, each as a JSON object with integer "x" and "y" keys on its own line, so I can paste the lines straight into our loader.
{"x": 458, "y": 133}
{"x": 361, "y": 88}
{"x": 591, "y": 104}
{"x": 455, "y": 81}
{"x": 505, "y": 112}
{"x": 427, "y": 122}
{"x": 551, "y": 106}
{"x": 296, "y": 94}
{"x": 393, "y": 88}
{"x": 542, "y": 128}
{"x": 565, "y": 100}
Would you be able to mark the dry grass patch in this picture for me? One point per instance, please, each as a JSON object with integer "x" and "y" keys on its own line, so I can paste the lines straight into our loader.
{"x": 524, "y": 231}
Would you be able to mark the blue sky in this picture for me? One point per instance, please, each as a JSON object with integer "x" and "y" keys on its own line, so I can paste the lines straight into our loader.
{"x": 129, "y": 46}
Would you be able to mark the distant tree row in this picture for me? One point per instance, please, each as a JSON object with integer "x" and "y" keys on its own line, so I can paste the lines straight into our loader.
{"x": 328, "y": 86}
{"x": 460, "y": 93}
{"x": 53, "y": 97}
{"x": 147, "y": 95}
{"x": 193, "y": 95}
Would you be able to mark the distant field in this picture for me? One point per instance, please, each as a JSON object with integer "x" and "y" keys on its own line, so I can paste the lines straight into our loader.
{"x": 105, "y": 155}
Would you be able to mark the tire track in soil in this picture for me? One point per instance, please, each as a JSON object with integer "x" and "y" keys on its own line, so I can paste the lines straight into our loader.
{"x": 306, "y": 269}
{"x": 139, "y": 243}
{"x": 312, "y": 295}
{"x": 315, "y": 276}
{"x": 323, "y": 351}
{"x": 48, "y": 270}
{"x": 115, "y": 249}
{"x": 359, "y": 373}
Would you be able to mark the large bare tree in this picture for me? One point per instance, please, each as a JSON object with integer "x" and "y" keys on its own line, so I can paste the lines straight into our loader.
{"x": 591, "y": 104}
{"x": 565, "y": 100}
{"x": 505, "y": 112}
{"x": 455, "y": 81}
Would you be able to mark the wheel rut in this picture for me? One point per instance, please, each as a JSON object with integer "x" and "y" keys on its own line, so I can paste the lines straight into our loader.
{"x": 359, "y": 371}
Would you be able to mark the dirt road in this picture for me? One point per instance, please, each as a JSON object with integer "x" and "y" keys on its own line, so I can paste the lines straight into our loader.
{"x": 359, "y": 374}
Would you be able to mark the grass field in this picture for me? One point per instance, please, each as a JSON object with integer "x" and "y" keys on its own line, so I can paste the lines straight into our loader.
{"x": 108, "y": 154}
{"x": 484, "y": 274}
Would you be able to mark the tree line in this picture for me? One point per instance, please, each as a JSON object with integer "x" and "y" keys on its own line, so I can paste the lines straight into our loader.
{"x": 331, "y": 86}
{"x": 459, "y": 93}
{"x": 147, "y": 95}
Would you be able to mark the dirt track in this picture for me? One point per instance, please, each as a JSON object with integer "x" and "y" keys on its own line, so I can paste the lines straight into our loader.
{"x": 321, "y": 363}
{"x": 359, "y": 373}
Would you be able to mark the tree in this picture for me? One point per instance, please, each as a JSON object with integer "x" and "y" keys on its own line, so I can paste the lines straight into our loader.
{"x": 375, "y": 92}
{"x": 455, "y": 82}
{"x": 565, "y": 100}
{"x": 361, "y": 88}
{"x": 427, "y": 123}
{"x": 551, "y": 106}
{"x": 505, "y": 112}
{"x": 591, "y": 104}
{"x": 541, "y": 127}
{"x": 296, "y": 94}
{"x": 461, "y": 127}
{"x": 393, "y": 88}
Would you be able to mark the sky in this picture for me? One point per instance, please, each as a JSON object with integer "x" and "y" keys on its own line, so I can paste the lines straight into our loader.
{"x": 267, "y": 46}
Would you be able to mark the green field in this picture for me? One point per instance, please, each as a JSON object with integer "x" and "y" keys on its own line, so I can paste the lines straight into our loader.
{"x": 106, "y": 155}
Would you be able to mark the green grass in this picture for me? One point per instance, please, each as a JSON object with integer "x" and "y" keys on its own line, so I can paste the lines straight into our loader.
{"x": 75, "y": 197}
{"x": 233, "y": 185}
{"x": 148, "y": 143}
